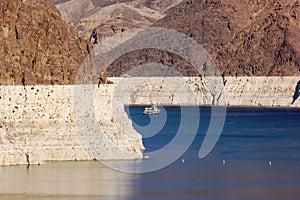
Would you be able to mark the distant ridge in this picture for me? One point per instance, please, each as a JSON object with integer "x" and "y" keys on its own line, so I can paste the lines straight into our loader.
{"x": 110, "y": 17}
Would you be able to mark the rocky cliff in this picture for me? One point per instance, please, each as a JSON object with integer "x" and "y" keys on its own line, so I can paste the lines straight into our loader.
{"x": 37, "y": 46}
{"x": 250, "y": 37}
{"x": 40, "y": 123}
{"x": 40, "y": 57}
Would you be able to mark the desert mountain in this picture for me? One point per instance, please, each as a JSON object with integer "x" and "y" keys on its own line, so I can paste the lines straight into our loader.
{"x": 37, "y": 46}
{"x": 249, "y": 37}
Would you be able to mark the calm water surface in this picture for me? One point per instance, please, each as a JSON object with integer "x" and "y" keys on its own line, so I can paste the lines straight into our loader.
{"x": 251, "y": 138}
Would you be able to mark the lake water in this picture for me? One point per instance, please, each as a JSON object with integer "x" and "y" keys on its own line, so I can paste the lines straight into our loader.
{"x": 238, "y": 167}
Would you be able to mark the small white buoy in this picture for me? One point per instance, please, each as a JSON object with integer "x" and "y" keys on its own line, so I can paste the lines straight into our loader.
{"x": 224, "y": 162}
{"x": 146, "y": 157}
{"x": 270, "y": 163}
{"x": 182, "y": 160}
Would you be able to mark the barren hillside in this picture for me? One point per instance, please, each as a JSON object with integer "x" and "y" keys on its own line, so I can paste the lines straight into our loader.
{"x": 244, "y": 37}
{"x": 249, "y": 37}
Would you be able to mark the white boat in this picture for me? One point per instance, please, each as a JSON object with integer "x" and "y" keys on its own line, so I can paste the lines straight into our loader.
{"x": 153, "y": 110}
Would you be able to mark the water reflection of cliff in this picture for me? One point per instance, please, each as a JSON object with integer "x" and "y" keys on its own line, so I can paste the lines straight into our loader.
{"x": 65, "y": 180}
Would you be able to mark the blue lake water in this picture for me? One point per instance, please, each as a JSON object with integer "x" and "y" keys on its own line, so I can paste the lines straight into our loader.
{"x": 256, "y": 157}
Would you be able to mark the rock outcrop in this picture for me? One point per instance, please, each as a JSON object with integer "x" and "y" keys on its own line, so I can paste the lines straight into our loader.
{"x": 37, "y": 46}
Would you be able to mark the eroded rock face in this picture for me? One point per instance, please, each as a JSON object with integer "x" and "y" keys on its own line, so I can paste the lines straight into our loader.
{"x": 38, "y": 47}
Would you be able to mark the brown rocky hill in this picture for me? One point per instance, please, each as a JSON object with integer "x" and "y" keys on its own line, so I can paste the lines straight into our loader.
{"x": 244, "y": 37}
{"x": 37, "y": 46}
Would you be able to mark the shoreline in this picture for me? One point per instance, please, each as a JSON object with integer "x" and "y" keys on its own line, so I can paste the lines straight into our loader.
{"x": 38, "y": 122}
{"x": 218, "y": 106}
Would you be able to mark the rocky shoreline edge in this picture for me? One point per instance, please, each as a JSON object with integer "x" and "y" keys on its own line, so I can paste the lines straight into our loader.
{"x": 38, "y": 124}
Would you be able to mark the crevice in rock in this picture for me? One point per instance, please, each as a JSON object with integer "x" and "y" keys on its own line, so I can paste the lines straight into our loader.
{"x": 17, "y": 33}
